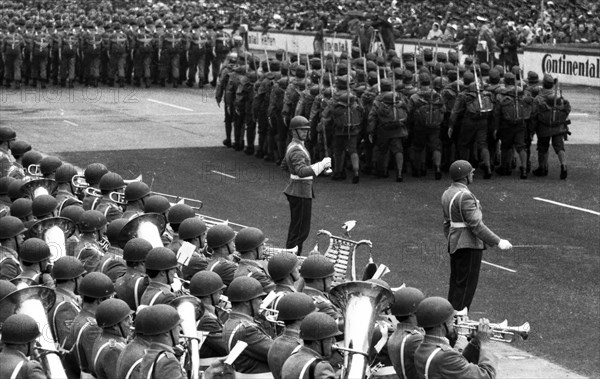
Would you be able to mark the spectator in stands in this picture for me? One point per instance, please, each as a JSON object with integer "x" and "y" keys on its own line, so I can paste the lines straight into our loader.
{"x": 450, "y": 33}
{"x": 435, "y": 32}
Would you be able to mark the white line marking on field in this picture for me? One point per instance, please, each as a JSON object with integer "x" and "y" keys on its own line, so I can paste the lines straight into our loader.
{"x": 70, "y": 123}
{"x": 579, "y": 114}
{"x": 567, "y": 206}
{"x": 530, "y": 246}
{"x": 221, "y": 173}
{"x": 498, "y": 266}
{"x": 171, "y": 105}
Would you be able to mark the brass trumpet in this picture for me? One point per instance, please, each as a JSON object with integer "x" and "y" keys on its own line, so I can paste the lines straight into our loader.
{"x": 115, "y": 197}
{"x": 34, "y": 170}
{"x": 500, "y": 331}
{"x": 79, "y": 184}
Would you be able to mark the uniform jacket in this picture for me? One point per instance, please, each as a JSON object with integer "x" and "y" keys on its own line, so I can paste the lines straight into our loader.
{"x": 449, "y": 363}
{"x": 282, "y": 348}
{"x": 130, "y": 360}
{"x": 164, "y": 366}
{"x": 256, "y": 270}
{"x": 297, "y": 163}
{"x": 241, "y": 327}
{"x": 132, "y": 283}
{"x": 157, "y": 293}
{"x": 10, "y": 267}
{"x": 11, "y": 358}
{"x": 547, "y": 96}
{"x": 60, "y": 317}
{"x": 83, "y": 334}
{"x": 301, "y": 361}
{"x": 112, "y": 263}
{"x": 213, "y": 346}
{"x": 465, "y": 209}
{"x": 89, "y": 252}
{"x": 412, "y": 339}
{"x": 109, "y": 209}
{"x": 106, "y": 352}
{"x": 323, "y": 303}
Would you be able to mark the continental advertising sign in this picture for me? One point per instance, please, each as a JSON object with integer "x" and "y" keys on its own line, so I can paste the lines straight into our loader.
{"x": 568, "y": 68}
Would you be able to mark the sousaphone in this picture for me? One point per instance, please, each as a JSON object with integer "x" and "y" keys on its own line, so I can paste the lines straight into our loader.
{"x": 38, "y": 187}
{"x": 55, "y": 231}
{"x": 148, "y": 226}
{"x": 190, "y": 310}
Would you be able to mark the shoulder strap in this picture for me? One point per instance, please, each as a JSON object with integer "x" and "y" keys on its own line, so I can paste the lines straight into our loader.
{"x": 133, "y": 366}
{"x": 100, "y": 351}
{"x": 17, "y": 369}
{"x": 136, "y": 292}
{"x": 154, "y": 298}
{"x": 76, "y": 345}
{"x": 308, "y": 366}
{"x": 431, "y": 356}
{"x": 402, "y": 345}
{"x": 461, "y": 193}
{"x": 232, "y": 335}
{"x": 156, "y": 360}
{"x": 104, "y": 264}
{"x": 313, "y": 366}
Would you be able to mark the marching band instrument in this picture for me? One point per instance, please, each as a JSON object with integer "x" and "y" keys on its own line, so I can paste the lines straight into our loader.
{"x": 268, "y": 305}
{"x": 55, "y": 231}
{"x": 149, "y": 226}
{"x": 35, "y": 302}
{"x": 117, "y": 197}
{"x": 362, "y": 302}
{"x": 79, "y": 183}
{"x": 136, "y": 179}
{"x": 342, "y": 252}
{"x": 34, "y": 170}
{"x": 38, "y": 187}
{"x": 190, "y": 309}
{"x": 92, "y": 191}
{"x": 500, "y": 331}
{"x": 196, "y": 204}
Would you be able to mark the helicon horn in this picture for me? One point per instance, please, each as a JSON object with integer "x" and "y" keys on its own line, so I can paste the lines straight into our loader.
{"x": 38, "y": 187}
{"x": 149, "y": 226}
{"x": 55, "y": 231}
{"x": 190, "y": 310}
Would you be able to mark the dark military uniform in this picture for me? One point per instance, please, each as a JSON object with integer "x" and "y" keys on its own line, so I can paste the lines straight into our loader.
{"x": 84, "y": 332}
{"x": 131, "y": 286}
{"x": 261, "y": 107}
{"x": 161, "y": 362}
{"x": 41, "y": 45}
{"x": 15, "y": 365}
{"x": 169, "y": 46}
{"x": 109, "y": 209}
{"x": 324, "y": 305}
{"x": 92, "y": 51}
{"x": 241, "y": 327}
{"x": 256, "y": 270}
{"x": 90, "y": 253}
{"x": 222, "y": 94}
{"x": 112, "y": 263}
{"x": 197, "y": 54}
{"x": 214, "y": 345}
{"x": 304, "y": 361}
{"x": 220, "y": 42}
{"x": 129, "y": 363}
{"x": 143, "y": 49}
{"x": 60, "y": 317}
{"x": 244, "y": 112}
{"x": 401, "y": 349}
{"x": 278, "y": 126}
{"x": 118, "y": 46}
{"x": 13, "y": 46}
{"x": 106, "y": 352}
{"x": 282, "y": 348}
{"x": 10, "y": 267}
{"x": 157, "y": 293}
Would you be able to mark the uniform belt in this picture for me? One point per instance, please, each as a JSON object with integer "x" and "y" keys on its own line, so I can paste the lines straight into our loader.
{"x": 457, "y": 224}
{"x": 262, "y": 375}
{"x": 296, "y": 177}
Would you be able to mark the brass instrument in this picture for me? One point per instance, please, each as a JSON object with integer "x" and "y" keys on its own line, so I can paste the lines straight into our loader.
{"x": 55, "y": 231}
{"x": 268, "y": 308}
{"x": 35, "y": 302}
{"x": 137, "y": 179}
{"x": 224, "y": 304}
{"x": 195, "y": 204}
{"x": 342, "y": 252}
{"x": 38, "y": 187}
{"x": 117, "y": 197}
{"x": 362, "y": 302}
{"x": 92, "y": 192}
{"x": 500, "y": 331}
{"x": 34, "y": 170}
{"x": 190, "y": 310}
{"x": 148, "y": 226}
{"x": 79, "y": 182}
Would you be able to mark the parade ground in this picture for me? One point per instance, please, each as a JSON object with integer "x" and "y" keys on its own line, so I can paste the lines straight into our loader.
{"x": 173, "y": 137}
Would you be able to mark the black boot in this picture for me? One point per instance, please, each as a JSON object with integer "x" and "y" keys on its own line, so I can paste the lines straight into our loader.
{"x": 523, "y": 172}
{"x": 563, "y": 172}
{"x": 540, "y": 171}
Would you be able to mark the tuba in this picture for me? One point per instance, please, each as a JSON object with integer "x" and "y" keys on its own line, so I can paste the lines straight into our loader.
{"x": 148, "y": 226}
{"x": 36, "y": 302}
{"x": 38, "y": 187}
{"x": 190, "y": 309}
{"x": 55, "y": 231}
{"x": 362, "y": 303}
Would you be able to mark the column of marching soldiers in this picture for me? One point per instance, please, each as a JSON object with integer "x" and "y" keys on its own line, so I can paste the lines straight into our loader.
{"x": 382, "y": 112}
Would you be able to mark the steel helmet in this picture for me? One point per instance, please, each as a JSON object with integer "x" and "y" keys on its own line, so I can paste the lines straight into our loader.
{"x": 299, "y": 122}
{"x": 43, "y": 205}
{"x": 161, "y": 258}
{"x": 31, "y": 157}
{"x": 49, "y": 165}
{"x": 434, "y": 311}
{"x": 21, "y": 208}
{"x": 249, "y": 239}
{"x": 96, "y": 285}
{"x": 295, "y": 306}
{"x": 136, "y": 250}
{"x": 406, "y": 301}
{"x": 161, "y": 319}
{"x": 7, "y": 134}
{"x": 19, "y": 329}
{"x": 381, "y": 282}
{"x": 219, "y": 235}
{"x": 91, "y": 221}
{"x": 94, "y": 172}
{"x": 20, "y": 147}
{"x": 196, "y": 264}
{"x": 111, "y": 181}
{"x": 205, "y": 283}
{"x": 179, "y": 212}
{"x": 318, "y": 326}
{"x": 156, "y": 204}
{"x": 281, "y": 265}
{"x": 67, "y": 268}
{"x": 113, "y": 229}
{"x": 111, "y": 312}
{"x": 14, "y": 189}
{"x": 11, "y": 227}
{"x": 192, "y": 227}
{"x": 73, "y": 213}
{"x": 136, "y": 190}
{"x": 65, "y": 173}
{"x": 6, "y": 288}
{"x": 460, "y": 169}
{"x": 142, "y": 320}
{"x": 244, "y": 288}
{"x": 225, "y": 269}
{"x": 4, "y": 183}
{"x": 316, "y": 266}
{"x": 34, "y": 250}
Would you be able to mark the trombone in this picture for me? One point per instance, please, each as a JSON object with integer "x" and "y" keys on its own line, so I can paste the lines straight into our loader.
{"x": 501, "y": 332}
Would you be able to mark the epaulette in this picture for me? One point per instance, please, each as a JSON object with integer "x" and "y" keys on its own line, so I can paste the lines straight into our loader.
{"x": 115, "y": 344}
{"x": 445, "y": 347}
{"x": 92, "y": 321}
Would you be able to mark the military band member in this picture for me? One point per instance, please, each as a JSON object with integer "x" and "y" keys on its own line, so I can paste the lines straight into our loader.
{"x": 11, "y": 238}
{"x": 136, "y": 193}
{"x": 161, "y": 266}
{"x": 129, "y": 362}
{"x": 114, "y": 317}
{"x": 317, "y": 272}
{"x": 65, "y": 194}
{"x": 283, "y": 269}
{"x": 110, "y": 182}
{"x": 92, "y": 243}
{"x": 175, "y": 216}
{"x": 249, "y": 244}
{"x": 19, "y": 334}
{"x": 131, "y": 286}
{"x": 34, "y": 255}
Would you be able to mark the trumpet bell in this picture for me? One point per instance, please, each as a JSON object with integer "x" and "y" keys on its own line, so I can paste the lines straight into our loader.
{"x": 92, "y": 191}
{"x": 137, "y": 179}
{"x": 362, "y": 303}
{"x": 117, "y": 197}
{"x": 38, "y": 187}
{"x": 149, "y": 226}
{"x": 55, "y": 231}
{"x": 34, "y": 170}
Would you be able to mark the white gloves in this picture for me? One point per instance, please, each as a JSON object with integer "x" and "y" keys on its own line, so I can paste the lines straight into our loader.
{"x": 319, "y": 167}
{"x": 504, "y": 245}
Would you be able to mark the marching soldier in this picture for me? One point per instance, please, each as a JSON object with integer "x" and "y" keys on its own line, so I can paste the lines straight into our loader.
{"x": 220, "y": 49}
{"x": 92, "y": 242}
{"x": 226, "y": 93}
{"x": 11, "y": 238}
{"x": 449, "y": 93}
{"x": 159, "y": 360}
{"x": 27, "y": 34}
{"x": 318, "y": 332}
{"x": 35, "y": 259}
{"x": 129, "y": 362}
{"x": 317, "y": 272}
{"x": 293, "y": 308}
{"x": 408, "y": 336}
{"x": 114, "y": 317}
{"x": 161, "y": 266}
{"x": 12, "y": 55}
{"x": 279, "y": 130}
{"x": 54, "y": 65}
{"x": 40, "y": 53}
{"x": 118, "y": 46}
{"x": 246, "y": 295}
{"x": 249, "y": 244}
{"x": 142, "y": 50}
{"x": 208, "y": 287}
{"x": 550, "y": 122}
{"x": 292, "y": 96}
{"x": 232, "y": 104}
{"x": 197, "y": 48}
{"x": 435, "y": 356}
{"x": 169, "y": 50}
{"x": 260, "y": 104}
{"x": 19, "y": 334}
{"x": 92, "y": 53}
{"x": 244, "y": 110}
{"x": 131, "y": 286}
{"x": 136, "y": 193}
{"x": 283, "y": 269}
{"x": 184, "y": 31}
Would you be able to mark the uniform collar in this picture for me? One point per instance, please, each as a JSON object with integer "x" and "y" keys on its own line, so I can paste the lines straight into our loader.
{"x": 436, "y": 339}
{"x": 460, "y": 185}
